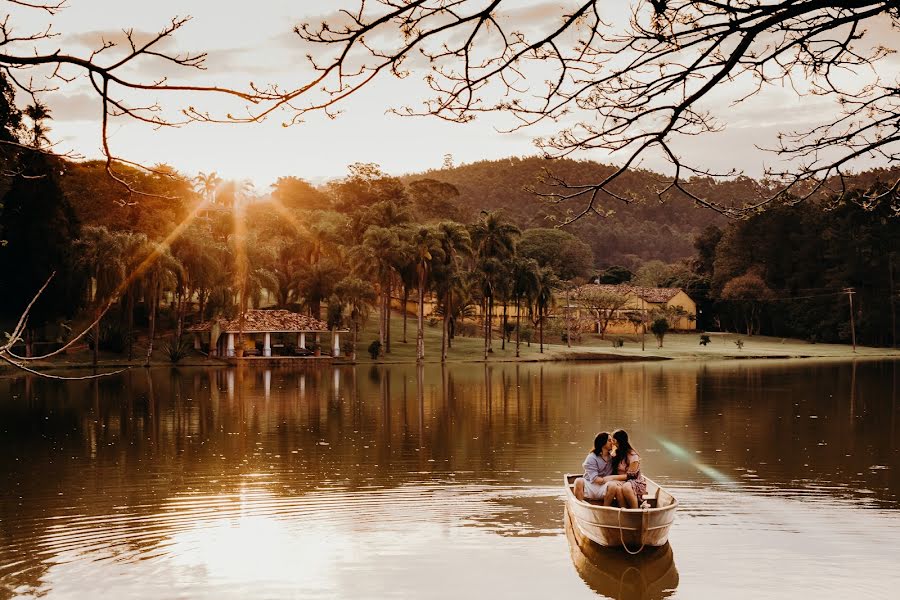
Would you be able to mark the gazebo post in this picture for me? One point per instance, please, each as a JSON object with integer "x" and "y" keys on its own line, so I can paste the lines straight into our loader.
{"x": 267, "y": 344}
{"x": 302, "y": 342}
{"x": 196, "y": 341}
{"x": 336, "y": 346}
{"x": 229, "y": 345}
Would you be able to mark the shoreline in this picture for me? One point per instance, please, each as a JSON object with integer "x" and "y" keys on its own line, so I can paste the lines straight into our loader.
{"x": 677, "y": 350}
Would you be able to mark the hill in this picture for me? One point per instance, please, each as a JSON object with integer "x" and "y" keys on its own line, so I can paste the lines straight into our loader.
{"x": 632, "y": 233}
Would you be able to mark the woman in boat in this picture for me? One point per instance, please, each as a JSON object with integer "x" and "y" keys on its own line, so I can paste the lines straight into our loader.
{"x": 627, "y": 484}
{"x": 597, "y": 469}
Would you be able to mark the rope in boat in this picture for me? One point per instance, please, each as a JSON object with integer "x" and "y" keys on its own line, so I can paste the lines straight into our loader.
{"x": 644, "y": 518}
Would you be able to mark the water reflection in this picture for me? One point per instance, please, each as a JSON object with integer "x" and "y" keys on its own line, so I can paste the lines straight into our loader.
{"x": 204, "y": 472}
{"x": 613, "y": 573}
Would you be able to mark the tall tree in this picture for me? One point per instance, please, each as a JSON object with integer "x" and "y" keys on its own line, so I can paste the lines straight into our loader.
{"x": 493, "y": 241}
{"x": 543, "y": 297}
{"x": 40, "y": 229}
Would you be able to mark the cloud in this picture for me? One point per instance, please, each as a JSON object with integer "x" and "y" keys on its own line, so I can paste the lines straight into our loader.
{"x": 74, "y": 107}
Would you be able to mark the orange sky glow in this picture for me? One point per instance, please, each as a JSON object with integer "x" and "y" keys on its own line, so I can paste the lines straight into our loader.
{"x": 260, "y": 47}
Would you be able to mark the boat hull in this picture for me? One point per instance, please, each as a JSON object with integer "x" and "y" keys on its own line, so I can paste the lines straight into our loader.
{"x": 613, "y": 527}
{"x": 614, "y": 574}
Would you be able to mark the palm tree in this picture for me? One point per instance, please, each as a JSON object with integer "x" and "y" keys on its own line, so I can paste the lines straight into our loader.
{"x": 201, "y": 259}
{"x": 38, "y": 113}
{"x": 427, "y": 249}
{"x": 543, "y": 297}
{"x": 525, "y": 281}
{"x": 316, "y": 283}
{"x": 493, "y": 240}
{"x": 456, "y": 245}
{"x": 375, "y": 257}
{"x": 101, "y": 254}
{"x": 206, "y": 185}
{"x": 359, "y": 296}
{"x": 160, "y": 274}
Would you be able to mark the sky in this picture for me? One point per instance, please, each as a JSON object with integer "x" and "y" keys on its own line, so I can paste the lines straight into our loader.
{"x": 258, "y": 45}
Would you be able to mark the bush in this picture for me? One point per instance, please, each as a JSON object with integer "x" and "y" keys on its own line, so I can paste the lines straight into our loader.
{"x": 527, "y": 335}
{"x": 347, "y": 347}
{"x": 466, "y": 329}
{"x": 659, "y": 328}
{"x": 375, "y": 349}
{"x": 704, "y": 340}
{"x": 739, "y": 343}
{"x": 113, "y": 338}
{"x": 176, "y": 350}
{"x": 618, "y": 343}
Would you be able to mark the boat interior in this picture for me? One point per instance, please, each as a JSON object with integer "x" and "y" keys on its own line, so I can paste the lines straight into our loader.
{"x": 656, "y": 497}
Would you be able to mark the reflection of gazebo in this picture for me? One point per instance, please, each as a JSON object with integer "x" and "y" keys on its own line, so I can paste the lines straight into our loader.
{"x": 282, "y": 333}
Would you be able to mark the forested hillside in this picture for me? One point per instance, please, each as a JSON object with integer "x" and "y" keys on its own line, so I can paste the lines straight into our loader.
{"x": 643, "y": 230}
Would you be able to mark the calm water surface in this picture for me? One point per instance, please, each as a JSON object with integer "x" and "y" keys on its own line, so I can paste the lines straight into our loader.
{"x": 427, "y": 483}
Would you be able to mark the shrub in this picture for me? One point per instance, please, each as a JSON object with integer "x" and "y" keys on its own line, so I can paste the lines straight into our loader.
{"x": 375, "y": 349}
{"x": 618, "y": 343}
{"x": 704, "y": 340}
{"x": 176, "y": 350}
{"x": 739, "y": 343}
{"x": 659, "y": 328}
{"x": 113, "y": 338}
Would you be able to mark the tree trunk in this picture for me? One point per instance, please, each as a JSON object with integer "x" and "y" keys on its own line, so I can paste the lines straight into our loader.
{"x": 503, "y": 333}
{"x": 387, "y": 327}
{"x": 129, "y": 327}
{"x": 444, "y": 331}
{"x": 154, "y": 299}
{"x": 541, "y": 324}
{"x": 420, "y": 332}
{"x": 96, "y": 342}
{"x": 381, "y": 321}
{"x": 490, "y": 323}
{"x": 568, "y": 321}
{"x": 353, "y": 341}
{"x": 29, "y": 344}
{"x": 405, "y": 312}
{"x": 485, "y": 325}
{"x": 518, "y": 310}
{"x": 448, "y": 320}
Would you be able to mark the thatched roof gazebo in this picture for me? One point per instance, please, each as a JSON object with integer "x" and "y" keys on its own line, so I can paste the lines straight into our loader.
{"x": 287, "y": 325}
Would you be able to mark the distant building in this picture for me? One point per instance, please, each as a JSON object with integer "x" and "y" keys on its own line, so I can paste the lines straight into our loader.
{"x": 265, "y": 333}
{"x": 637, "y": 302}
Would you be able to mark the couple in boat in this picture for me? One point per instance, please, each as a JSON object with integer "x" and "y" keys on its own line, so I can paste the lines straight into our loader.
{"x": 612, "y": 472}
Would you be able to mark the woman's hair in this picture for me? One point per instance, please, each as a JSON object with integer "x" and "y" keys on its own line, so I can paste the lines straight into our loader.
{"x": 623, "y": 448}
{"x": 600, "y": 441}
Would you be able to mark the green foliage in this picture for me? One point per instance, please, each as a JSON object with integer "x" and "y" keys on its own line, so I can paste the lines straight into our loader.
{"x": 568, "y": 256}
{"x": 643, "y": 230}
{"x": 704, "y": 340}
{"x": 615, "y": 275}
{"x": 175, "y": 350}
{"x": 783, "y": 271}
{"x": 374, "y": 349}
{"x": 40, "y": 229}
{"x": 659, "y": 328}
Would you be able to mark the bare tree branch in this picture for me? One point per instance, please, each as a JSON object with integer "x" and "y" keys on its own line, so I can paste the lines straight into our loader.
{"x": 633, "y": 88}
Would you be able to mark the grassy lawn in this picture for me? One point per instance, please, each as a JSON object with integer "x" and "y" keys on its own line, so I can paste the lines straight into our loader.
{"x": 679, "y": 346}
{"x": 675, "y": 346}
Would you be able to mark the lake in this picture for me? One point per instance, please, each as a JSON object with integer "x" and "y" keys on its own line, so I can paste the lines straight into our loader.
{"x": 406, "y": 482}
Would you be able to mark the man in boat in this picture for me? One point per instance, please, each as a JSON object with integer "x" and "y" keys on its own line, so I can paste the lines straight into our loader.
{"x": 597, "y": 468}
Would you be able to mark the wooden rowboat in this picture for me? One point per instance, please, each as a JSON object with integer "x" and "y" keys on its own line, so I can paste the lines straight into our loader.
{"x": 614, "y": 574}
{"x": 632, "y": 528}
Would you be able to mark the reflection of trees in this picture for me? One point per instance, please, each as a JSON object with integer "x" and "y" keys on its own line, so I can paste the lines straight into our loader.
{"x": 130, "y": 444}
